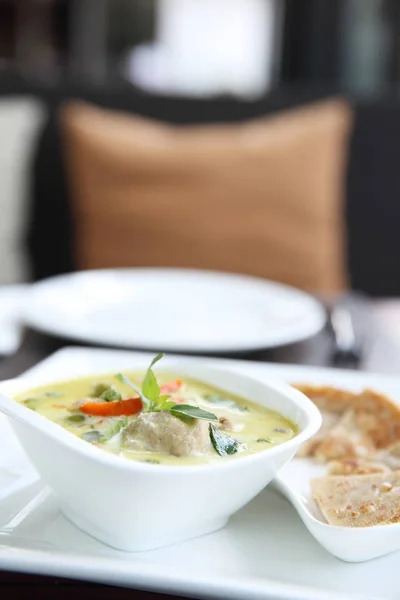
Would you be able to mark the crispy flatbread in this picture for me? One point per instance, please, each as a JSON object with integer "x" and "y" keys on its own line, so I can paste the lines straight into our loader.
{"x": 379, "y": 418}
{"x": 390, "y": 457}
{"x": 376, "y": 415}
{"x": 329, "y": 420}
{"x": 359, "y": 501}
{"x": 328, "y": 398}
{"x": 382, "y": 461}
{"x": 346, "y": 439}
{"x": 394, "y": 449}
{"x": 332, "y": 403}
{"x": 356, "y": 466}
{"x": 360, "y": 439}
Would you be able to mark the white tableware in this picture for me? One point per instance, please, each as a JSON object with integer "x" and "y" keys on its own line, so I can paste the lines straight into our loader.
{"x": 12, "y": 302}
{"x": 351, "y": 544}
{"x": 173, "y": 310}
{"x": 117, "y": 500}
{"x": 264, "y": 553}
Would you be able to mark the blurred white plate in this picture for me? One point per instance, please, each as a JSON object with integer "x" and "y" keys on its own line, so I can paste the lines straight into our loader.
{"x": 173, "y": 309}
{"x": 12, "y": 302}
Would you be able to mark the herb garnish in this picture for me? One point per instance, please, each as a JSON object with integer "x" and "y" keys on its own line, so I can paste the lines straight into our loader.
{"x": 124, "y": 379}
{"x": 54, "y": 394}
{"x": 193, "y": 412}
{"x": 223, "y": 443}
{"x": 150, "y": 387}
{"x": 150, "y": 392}
{"x": 265, "y": 441}
{"x": 153, "y": 402}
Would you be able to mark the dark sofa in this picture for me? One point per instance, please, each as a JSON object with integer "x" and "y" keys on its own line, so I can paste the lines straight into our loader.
{"x": 373, "y": 175}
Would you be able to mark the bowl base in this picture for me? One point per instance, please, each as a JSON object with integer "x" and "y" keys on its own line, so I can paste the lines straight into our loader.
{"x": 142, "y": 543}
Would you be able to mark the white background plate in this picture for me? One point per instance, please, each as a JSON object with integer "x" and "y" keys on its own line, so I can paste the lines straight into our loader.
{"x": 265, "y": 552}
{"x": 173, "y": 309}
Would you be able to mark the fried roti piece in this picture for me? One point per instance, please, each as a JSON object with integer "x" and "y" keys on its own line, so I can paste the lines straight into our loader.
{"x": 382, "y": 461}
{"x": 358, "y": 501}
{"x": 328, "y": 398}
{"x": 346, "y": 439}
{"x": 356, "y": 466}
{"x": 332, "y": 403}
{"x": 329, "y": 420}
{"x": 378, "y": 417}
{"x": 394, "y": 449}
{"x": 390, "y": 456}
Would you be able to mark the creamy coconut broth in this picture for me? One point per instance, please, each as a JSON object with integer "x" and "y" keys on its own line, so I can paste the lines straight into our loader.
{"x": 166, "y": 419}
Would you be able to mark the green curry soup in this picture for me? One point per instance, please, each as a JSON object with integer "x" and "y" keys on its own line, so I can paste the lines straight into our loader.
{"x": 167, "y": 420}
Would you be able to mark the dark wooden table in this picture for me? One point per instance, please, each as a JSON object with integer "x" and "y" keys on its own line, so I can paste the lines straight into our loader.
{"x": 379, "y": 325}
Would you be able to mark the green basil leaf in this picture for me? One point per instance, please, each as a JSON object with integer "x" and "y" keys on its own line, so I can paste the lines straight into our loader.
{"x": 156, "y": 359}
{"x": 162, "y": 403}
{"x": 167, "y": 405}
{"x": 54, "y": 394}
{"x": 164, "y": 398}
{"x": 186, "y": 419}
{"x": 75, "y": 418}
{"x": 225, "y": 402}
{"x": 92, "y": 436}
{"x": 192, "y": 411}
{"x": 114, "y": 429}
{"x": 150, "y": 387}
{"x": 111, "y": 395}
{"x": 223, "y": 444}
{"x": 124, "y": 379}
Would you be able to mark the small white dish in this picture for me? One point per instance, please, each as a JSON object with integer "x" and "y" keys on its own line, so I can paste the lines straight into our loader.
{"x": 351, "y": 544}
{"x": 174, "y": 310}
{"x": 128, "y": 504}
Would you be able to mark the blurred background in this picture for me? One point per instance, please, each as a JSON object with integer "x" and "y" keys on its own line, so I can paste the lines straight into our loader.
{"x": 240, "y": 47}
{"x": 307, "y": 87}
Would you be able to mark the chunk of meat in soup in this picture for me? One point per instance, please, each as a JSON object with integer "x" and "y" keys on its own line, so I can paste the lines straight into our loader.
{"x": 162, "y": 432}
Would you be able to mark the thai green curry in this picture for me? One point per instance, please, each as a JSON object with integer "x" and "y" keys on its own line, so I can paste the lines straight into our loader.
{"x": 161, "y": 419}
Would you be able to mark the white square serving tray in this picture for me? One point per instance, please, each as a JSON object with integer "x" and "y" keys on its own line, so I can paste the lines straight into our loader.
{"x": 264, "y": 553}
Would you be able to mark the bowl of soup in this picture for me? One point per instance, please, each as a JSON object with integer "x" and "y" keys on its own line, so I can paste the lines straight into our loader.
{"x": 157, "y": 455}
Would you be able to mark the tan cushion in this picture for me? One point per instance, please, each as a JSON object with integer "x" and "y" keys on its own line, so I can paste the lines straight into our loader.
{"x": 264, "y": 197}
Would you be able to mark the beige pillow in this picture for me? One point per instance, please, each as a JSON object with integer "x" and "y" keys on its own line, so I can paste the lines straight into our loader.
{"x": 263, "y": 197}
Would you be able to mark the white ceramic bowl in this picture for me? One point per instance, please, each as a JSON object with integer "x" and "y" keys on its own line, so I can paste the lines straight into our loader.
{"x": 135, "y": 506}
